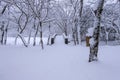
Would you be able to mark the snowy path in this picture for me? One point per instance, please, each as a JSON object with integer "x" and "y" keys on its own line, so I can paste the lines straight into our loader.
{"x": 58, "y": 63}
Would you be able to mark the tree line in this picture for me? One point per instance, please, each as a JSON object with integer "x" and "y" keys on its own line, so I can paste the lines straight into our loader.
{"x": 70, "y": 18}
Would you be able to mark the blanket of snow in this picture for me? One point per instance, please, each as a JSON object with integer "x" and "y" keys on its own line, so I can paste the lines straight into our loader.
{"x": 58, "y": 62}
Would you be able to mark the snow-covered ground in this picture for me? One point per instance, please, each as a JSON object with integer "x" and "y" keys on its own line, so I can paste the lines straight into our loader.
{"x": 58, "y": 62}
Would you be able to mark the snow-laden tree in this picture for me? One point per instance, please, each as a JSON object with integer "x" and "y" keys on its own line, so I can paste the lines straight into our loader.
{"x": 76, "y": 7}
{"x": 4, "y": 21}
{"x": 69, "y": 17}
{"x": 110, "y": 22}
{"x": 61, "y": 16}
{"x": 94, "y": 41}
{"x": 39, "y": 9}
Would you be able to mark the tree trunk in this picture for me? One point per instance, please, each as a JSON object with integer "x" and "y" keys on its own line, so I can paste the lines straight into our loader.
{"x": 73, "y": 36}
{"x": 5, "y": 39}
{"x": 2, "y": 33}
{"x": 75, "y": 32}
{"x": 96, "y": 34}
{"x": 6, "y": 31}
{"x": 41, "y": 40}
{"x": 34, "y": 40}
{"x": 80, "y": 15}
{"x": 48, "y": 41}
{"x": 77, "y": 39}
{"x": 23, "y": 40}
{"x": 29, "y": 38}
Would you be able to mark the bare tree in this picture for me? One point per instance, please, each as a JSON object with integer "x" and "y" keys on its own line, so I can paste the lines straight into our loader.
{"x": 62, "y": 20}
{"x": 75, "y": 20}
{"x": 3, "y": 28}
{"x": 39, "y": 11}
{"x": 22, "y": 20}
{"x": 76, "y": 9}
{"x": 80, "y": 15}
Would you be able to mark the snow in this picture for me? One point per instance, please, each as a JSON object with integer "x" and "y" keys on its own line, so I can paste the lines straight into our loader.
{"x": 92, "y": 42}
{"x": 58, "y": 62}
{"x": 90, "y": 31}
{"x": 11, "y": 41}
